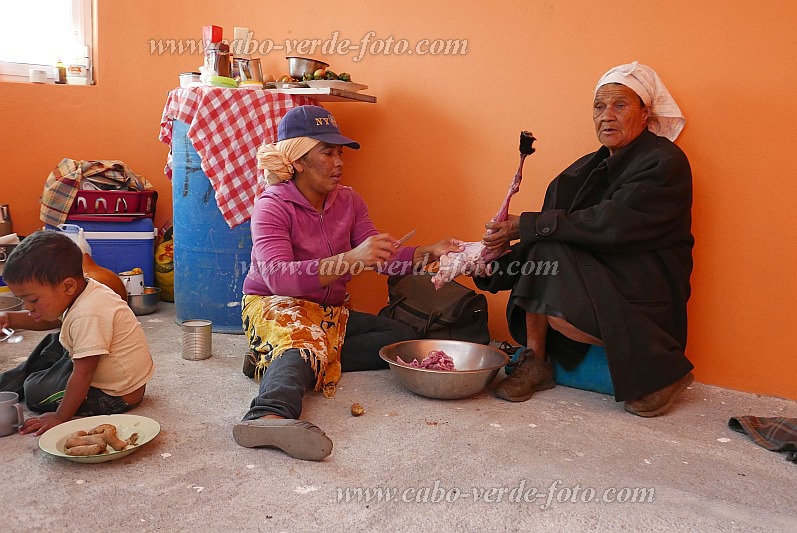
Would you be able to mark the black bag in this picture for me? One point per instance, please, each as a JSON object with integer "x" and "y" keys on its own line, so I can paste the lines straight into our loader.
{"x": 453, "y": 312}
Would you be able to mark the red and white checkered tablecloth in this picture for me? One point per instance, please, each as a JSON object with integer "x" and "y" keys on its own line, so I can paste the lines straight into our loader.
{"x": 226, "y": 127}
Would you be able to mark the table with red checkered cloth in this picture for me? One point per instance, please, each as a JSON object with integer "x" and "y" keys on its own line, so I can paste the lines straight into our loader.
{"x": 226, "y": 127}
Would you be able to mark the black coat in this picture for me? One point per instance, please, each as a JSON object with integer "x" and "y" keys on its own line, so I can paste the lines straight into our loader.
{"x": 612, "y": 247}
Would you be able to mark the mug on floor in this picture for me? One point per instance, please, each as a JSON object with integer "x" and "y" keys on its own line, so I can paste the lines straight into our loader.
{"x": 11, "y": 416}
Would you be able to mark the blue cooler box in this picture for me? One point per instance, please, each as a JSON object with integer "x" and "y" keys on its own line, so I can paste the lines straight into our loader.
{"x": 122, "y": 246}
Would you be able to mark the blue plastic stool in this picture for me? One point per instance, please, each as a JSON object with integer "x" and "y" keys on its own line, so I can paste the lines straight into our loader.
{"x": 591, "y": 374}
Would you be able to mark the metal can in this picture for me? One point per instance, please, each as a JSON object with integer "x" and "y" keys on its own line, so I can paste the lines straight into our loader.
{"x": 197, "y": 339}
{"x": 217, "y": 60}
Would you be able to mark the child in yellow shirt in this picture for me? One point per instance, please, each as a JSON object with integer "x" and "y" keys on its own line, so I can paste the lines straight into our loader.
{"x": 100, "y": 361}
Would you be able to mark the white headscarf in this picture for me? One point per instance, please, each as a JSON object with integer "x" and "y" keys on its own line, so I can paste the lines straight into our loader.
{"x": 666, "y": 118}
{"x": 277, "y": 158}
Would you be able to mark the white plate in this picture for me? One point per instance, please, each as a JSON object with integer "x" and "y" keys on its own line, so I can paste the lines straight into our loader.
{"x": 290, "y": 85}
{"x": 337, "y": 84}
{"x": 53, "y": 439}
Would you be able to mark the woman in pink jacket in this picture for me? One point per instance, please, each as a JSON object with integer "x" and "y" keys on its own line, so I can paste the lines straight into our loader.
{"x": 310, "y": 235}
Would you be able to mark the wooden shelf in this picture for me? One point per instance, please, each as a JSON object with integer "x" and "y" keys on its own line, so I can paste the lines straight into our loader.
{"x": 329, "y": 94}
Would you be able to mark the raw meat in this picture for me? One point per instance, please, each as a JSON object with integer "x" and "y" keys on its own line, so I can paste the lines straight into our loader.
{"x": 435, "y": 360}
{"x": 475, "y": 256}
{"x": 465, "y": 263}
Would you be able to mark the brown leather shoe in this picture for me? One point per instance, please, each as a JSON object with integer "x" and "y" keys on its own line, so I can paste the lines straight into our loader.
{"x": 659, "y": 401}
{"x": 534, "y": 374}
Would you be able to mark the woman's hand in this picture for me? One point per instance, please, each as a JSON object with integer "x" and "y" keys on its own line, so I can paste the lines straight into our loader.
{"x": 500, "y": 234}
{"x": 435, "y": 251}
{"x": 373, "y": 251}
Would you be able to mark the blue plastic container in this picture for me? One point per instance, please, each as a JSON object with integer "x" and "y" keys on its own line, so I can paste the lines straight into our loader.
{"x": 122, "y": 246}
{"x": 591, "y": 374}
{"x": 210, "y": 259}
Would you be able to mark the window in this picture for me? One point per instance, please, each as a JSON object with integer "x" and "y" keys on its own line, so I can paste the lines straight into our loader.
{"x": 37, "y": 33}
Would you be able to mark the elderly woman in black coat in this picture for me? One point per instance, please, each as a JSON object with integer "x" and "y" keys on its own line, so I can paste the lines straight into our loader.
{"x": 615, "y": 243}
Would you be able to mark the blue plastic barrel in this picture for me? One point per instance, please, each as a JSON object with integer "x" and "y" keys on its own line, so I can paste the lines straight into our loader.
{"x": 210, "y": 259}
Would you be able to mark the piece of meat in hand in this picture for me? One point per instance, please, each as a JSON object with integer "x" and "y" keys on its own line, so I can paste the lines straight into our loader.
{"x": 526, "y": 140}
{"x": 465, "y": 263}
{"x": 475, "y": 258}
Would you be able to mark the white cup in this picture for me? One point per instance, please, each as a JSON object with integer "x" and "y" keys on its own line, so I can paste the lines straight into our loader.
{"x": 37, "y": 75}
{"x": 134, "y": 283}
{"x": 11, "y": 416}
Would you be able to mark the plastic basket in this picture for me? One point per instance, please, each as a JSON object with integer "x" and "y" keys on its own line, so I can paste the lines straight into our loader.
{"x": 110, "y": 206}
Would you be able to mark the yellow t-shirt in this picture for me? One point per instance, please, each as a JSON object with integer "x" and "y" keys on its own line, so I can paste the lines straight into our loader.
{"x": 100, "y": 323}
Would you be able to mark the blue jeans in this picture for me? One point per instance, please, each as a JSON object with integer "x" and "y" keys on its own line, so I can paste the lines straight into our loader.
{"x": 41, "y": 381}
{"x": 289, "y": 377}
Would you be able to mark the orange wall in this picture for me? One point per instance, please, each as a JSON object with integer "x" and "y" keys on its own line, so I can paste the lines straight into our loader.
{"x": 440, "y": 147}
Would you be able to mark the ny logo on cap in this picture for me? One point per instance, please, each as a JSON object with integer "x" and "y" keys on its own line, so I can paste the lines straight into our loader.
{"x": 326, "y": 121}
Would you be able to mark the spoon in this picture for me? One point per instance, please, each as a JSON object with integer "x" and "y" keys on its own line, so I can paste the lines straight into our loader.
{"x": 9, "y": 336}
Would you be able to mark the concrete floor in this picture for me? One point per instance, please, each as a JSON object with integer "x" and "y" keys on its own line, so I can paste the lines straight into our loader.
{"x": 450, "y": 465}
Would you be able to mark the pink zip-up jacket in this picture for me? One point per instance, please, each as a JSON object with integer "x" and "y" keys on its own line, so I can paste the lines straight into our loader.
{"x": 289, "y": 238}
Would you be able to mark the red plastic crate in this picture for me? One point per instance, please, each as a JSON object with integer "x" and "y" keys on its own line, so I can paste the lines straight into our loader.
{"x": 113, "y": 205}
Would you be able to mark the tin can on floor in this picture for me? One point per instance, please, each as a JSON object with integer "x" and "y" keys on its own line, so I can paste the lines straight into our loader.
{"x": 197, "y": 339}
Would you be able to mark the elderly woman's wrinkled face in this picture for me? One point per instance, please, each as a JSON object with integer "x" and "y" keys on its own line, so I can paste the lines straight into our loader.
{"x": 619, "y": 116}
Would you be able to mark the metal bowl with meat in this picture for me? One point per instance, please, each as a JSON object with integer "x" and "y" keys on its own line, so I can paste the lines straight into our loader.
{"x": 10, "y": 303}
{"x": 475, "y": 366}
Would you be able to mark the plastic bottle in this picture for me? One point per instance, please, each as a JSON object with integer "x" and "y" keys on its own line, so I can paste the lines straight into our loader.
{"x": 79, "y": 70}
{"x": 77, "y": 73}
{"x": 75, "y": 232}
{"x": 6, "y": 224}
{"x": 60, "y": 72}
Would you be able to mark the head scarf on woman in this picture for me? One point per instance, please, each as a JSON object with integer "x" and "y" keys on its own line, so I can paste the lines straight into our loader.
{"x": 277, "y": 158}
{"x": 666, "y": 118}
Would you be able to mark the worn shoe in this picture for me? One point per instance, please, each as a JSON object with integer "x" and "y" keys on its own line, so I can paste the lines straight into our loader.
{"x": 297, "y": 438}
{"x": 659, "y": 401}
{"x": 249, "y": 364}
{"x": 534, "y": 374}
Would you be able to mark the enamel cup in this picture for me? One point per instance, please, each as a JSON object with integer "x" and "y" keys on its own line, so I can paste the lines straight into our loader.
{"x": 11, "y": 417}
{"x": 134, "y": 283}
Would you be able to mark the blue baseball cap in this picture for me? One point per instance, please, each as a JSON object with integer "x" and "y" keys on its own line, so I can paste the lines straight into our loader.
{"x": 314, "y": 122}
